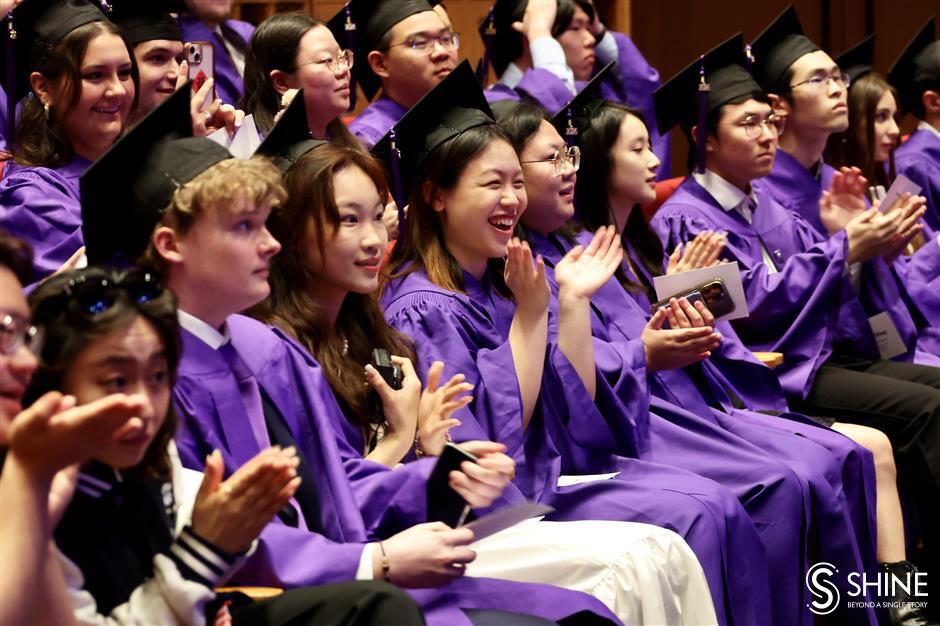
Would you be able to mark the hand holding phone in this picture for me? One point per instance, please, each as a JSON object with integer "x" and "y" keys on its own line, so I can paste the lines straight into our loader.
{"x": 445, "y": 504}
{"x": 200, "y": 57}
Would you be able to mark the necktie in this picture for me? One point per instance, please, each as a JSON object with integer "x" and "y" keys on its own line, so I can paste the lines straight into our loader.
{"x": 250, "y": 392}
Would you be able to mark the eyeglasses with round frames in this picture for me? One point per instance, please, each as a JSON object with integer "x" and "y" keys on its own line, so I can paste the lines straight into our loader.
{"x": 342, "y": 62}
{"x": 563, "y": 158}
{"x": 820, "y": 82}
{"x": 753, "y": 125}
{"x": 425, "y": 43}
{"x": 16, "y": 332}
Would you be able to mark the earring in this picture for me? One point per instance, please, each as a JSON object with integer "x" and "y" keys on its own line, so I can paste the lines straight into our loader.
{"x": 45, "y": 109}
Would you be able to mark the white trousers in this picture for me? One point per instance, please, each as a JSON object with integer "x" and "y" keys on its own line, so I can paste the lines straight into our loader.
{"x": 644, "y": 574}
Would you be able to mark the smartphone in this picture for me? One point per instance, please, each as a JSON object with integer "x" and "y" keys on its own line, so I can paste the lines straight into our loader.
{"x": 200, "y": 56}
{"x": 445, "y": 504}
{"x": 712, "y": 294}
{"x": 692, "y": 296}
{"x": 391, "y": 372}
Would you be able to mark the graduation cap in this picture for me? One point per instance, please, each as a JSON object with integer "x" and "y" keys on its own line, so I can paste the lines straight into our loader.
{"x": 778, "y": 47}
{"x": 917, "y": 68}
{"x": 144, "y": 21}
{"x": 125, "y": 191}
{"x": 360, "y": 26}
{"x": 705, "y": 85}
{"x": 454, "y": 106}
{"x": 290, "y": 138}
{"x": 575, "y": 117}
{"x": 33, "y": 29}
{"x": 502, "y": 44}
{"x": 858, "y": 60}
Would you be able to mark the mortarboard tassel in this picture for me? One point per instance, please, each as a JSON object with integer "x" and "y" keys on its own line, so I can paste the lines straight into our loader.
{"x": 350, "y": 28}
{"x": 750, "y": 58}
{"x": 571, "y": 131}
{"x": 483, "y": 67}
{"x": 702, "y": 134}
{"x": 105, "y": 7}
{"x": 10, "y": 70}
{"x": 397, "y": 191}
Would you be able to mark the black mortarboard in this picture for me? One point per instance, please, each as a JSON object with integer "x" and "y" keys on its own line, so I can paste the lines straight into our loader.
{"x": 777, "y": 47}
{"x": 360, "y": 26}
{"x": 34, "y": 28}
{"x": 502, "y": 43}
{"x": 290, "y": 138}
{"x": 708, "y": 83}
{"x": 125, "y": 191}
{"x": 454, "y": 106}
{"x": 858, "y": 60}
{"x": 576, "y": 116}
{"x": 144, "y": 20}
{"x": 917, "y": 68}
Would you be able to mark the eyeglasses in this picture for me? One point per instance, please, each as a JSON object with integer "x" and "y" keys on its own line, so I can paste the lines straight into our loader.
{"x": 342, "y": 62}
{"x": 753, "y": 126}
{"x": 94, "y": 295}
{"x": 425, "y": 43}
{"x": 563, "y": 158}
{"x": 819, "y": 82}
{"x": 16, "y": 331}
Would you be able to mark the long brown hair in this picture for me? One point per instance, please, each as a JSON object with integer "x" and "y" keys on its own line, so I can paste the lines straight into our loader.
{"x": 425, "y": 247}
{"x": 41, "y": 140}
{"x": 69, "y": 330}
{"x": 311, "y": 197}
{"x": 854, "y": 146}
{"x": 274, "y": 45}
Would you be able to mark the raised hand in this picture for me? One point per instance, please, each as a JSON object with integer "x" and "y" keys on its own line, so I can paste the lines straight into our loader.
{"x": 231, "y": 514}
{"x": 526, "y": 280}
{"x": 703, "y": 251}
{"x": 683, "y": 314}
{"x": 438, "y": 404}
{"x": 585, "y": 270}
{"x": 673, "y": 348}
{"x": 538, "y": 19}
{"x": 426, "y": 555}
{"x": 482, "y": 482}
{"x": 870, "y": 234}
{"x": 400, "y": 406}
{"x": 905, "y": 214}
{"x": 844, "y": 200}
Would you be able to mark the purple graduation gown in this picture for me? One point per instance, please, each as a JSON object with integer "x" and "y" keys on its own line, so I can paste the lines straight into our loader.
{"x": 883, "y": 288}
{"x": 537, "y": 84}
{"x": 42, "y": 206}
{"x": 376, "y": 120}
{"x": 918, "y": 158}
{"x": 805, "y": 308}
{"x": 229, "y": 85}
{"x": 748, "y": 443}
{"x": 570, "y": 434}
{"x": 212, "y": 416}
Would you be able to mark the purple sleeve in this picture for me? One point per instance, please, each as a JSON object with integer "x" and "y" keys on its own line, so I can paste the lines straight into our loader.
{"x": 925, "y": 171}
{"x": 37, "y": 207}
{"x": 545, "y": 88}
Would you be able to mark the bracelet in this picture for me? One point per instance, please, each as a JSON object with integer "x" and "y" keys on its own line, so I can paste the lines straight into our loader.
{"x": 386, "y": 567}
{"x": 420, "y": 452}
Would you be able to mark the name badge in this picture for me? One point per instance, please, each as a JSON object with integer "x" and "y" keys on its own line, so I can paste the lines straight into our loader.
{"x": 887, "y": 336}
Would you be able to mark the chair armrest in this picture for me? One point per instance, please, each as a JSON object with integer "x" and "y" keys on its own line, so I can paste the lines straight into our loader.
{"x": 255, "y": 593}
{"x": 770, "y": 359}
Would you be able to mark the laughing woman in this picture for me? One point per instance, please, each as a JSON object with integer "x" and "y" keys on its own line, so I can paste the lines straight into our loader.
{"x": 83, "y": 83}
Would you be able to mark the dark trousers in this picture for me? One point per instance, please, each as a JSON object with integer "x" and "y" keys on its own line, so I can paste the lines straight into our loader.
{"x": 360, "y": 603}
{"x": 903, "y": 401}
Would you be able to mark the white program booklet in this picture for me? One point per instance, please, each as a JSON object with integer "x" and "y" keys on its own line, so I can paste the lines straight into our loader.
{"x": 901, "y": 185}
{"x": 672, "y": 284}
{"x": 502, "y": 519}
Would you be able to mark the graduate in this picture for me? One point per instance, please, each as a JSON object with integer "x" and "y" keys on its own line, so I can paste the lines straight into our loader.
{"x": 916, "y": 76}
{"x": 547, "y": 51}
{"x": 622, "y": 332}
{"x": 869, "y": 144}
{"x": 244, "y": 387}
{"x": 65, "y": 124}
{"x": 323, "y": 284}
{"x": 797, "y": 287}
{"x": 449, "y": 292}
{"x": 209, "y": 20}
{"x": 157, "y": 44}
{"x": 809, "y": 90}
{"x": 404, "y": 47}
{"x": 293, "y": 51}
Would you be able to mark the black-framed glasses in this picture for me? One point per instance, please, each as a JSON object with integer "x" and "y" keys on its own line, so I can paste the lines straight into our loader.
{"x": 753, "y": 126}
{"x": 16, "y": 331}
{"x": 820, "y": 82}
{"x": 425, "y": 43}
{"x": 563, "y": 158}
{"x": 343, "y": 61}
{"x": 96, "y": 294}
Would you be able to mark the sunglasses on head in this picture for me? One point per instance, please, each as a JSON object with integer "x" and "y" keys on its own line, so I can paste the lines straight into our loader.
{"x": 94, "y": 295}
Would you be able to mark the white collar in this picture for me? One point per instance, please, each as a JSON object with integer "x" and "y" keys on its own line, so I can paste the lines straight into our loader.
{"x": 208, "y": 335}
{"x": 925, "y": 126}
{"x": 727, "y": 195}
{"x": 512, "y": 76}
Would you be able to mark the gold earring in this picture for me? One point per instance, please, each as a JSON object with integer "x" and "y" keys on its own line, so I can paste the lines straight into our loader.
{"x": 45, "y": 109}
